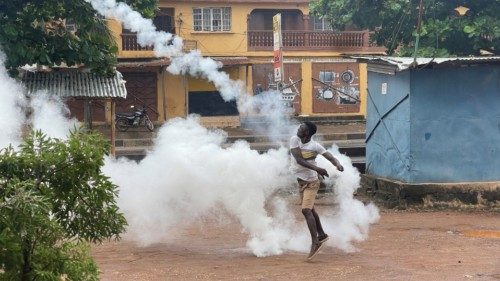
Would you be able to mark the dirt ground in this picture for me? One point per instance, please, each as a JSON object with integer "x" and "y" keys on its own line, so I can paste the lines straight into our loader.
{"x": 403, "y": 245}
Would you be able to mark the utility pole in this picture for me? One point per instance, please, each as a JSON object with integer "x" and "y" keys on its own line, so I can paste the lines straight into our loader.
{"x": 419, "y": 23}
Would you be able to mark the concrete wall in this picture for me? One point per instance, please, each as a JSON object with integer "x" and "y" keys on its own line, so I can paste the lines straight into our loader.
{"x": 388, "y": 147}
{"x": 455, "y": 124}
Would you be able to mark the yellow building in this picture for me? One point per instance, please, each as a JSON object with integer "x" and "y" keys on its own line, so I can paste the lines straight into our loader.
{"x": 238, "y": 33}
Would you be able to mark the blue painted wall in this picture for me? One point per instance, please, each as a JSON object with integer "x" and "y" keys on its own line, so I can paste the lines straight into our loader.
{"x": 447, "y": 131}
{"x": 455, "y": 124}
{"x": 388, "y": 148}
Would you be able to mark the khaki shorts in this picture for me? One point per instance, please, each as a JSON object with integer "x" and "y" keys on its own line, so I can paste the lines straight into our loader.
{"x": 308, "y": 191}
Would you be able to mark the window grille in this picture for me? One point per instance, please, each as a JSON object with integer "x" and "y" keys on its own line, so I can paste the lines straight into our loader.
{"x": 212, "y": 19}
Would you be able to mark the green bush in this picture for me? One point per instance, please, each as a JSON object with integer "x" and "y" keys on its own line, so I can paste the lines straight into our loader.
{"x": 54, "y": 201}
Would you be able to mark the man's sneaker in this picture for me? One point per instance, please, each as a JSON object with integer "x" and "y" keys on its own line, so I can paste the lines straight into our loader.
{"x": 314, "y": 250}
{"x": 323, "y": 238}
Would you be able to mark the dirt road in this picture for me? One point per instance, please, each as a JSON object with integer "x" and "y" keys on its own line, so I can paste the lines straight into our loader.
{"x": 402, "y": 246}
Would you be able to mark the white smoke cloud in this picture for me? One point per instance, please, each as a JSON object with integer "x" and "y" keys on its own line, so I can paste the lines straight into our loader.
{"x": 50, "y": 115}
{"x": 198, "y": 175}
{"x": 12, "y": 101}
{"x": 188, "y": 175}
{"x": 350, "y": 221}
{"x": 198, "y": 66}
{"x": 47, "y": 112}
{"x": 168, "y": 45}
{"x": 274, "y": 116}
{"x": 165, "y": 44}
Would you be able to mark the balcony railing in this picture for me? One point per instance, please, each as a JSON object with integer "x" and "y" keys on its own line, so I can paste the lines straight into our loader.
{"x": 262, "y": 40}
{"x": 129, "y": 43}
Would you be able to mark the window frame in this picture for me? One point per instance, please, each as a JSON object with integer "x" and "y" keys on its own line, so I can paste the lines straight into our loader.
{"x": 325, "y": 25}
{"x": 212, "y": 19}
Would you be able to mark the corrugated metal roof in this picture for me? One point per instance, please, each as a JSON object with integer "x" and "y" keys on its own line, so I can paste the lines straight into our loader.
{"x": 229, "y": 61}
{"x": 226, "y": 61}
{"x": 143, "y": 63}
{"x": 76, "y": 84}
{"x": 403, "y": 63}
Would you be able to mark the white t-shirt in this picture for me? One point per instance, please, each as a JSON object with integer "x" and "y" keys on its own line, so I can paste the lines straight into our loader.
{"x": 309, "y": 151}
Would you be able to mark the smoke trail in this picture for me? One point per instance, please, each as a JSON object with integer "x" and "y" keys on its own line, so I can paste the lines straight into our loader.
{"x": 274, "y": 115}
{"x": 188, "y": 175}
{"x": 50, "y": 115}
{"x": 350, "y": 221}
{"x": 12, "y": 101}
{"x": 198, "y": 175}
{"x": 168, "y": 45}
{"x": 165, "y": 44}
{"x": 47, "y": 112}
{"x": 198, "y": 66}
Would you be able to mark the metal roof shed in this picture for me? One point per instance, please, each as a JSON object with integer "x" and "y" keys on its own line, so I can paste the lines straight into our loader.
{"x": 76, "y": 84}
{"x": 72, "y": 83}
{"x": 436, "y": 120}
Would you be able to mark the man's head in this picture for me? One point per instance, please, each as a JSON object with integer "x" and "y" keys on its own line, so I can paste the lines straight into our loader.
{"x": 306, "y": 129}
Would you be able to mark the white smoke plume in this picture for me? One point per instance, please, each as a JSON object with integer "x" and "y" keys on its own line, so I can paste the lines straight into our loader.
{"x": 12, "y": 101}
{"x": 168, "y": 45}
{"x": 351, "y": 219}
{"x": 165, "y": 44}
{"x": 188, "y": 175}
{"x": 197, "y": 175}
{"x": 47, "y": 112}
{"x": 198, "y": 66}
{"x": 274, "y": 115}
{"x": 50, "y": 115}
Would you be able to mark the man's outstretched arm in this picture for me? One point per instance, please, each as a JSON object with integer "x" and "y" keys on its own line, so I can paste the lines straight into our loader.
{"x": 333, "y": 160}
{"x": 301, "y": 161}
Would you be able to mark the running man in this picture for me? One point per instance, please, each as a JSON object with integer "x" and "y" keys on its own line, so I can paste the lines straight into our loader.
{"x": 305, "y": 150}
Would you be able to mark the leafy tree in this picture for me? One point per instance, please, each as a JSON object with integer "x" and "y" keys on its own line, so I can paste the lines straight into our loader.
{"x": 443, "y": 31}
{"x": 34, "y": 31}
{"x": 54, "y": 199}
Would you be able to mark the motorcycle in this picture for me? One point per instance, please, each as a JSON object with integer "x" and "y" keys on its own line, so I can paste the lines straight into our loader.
{"x": 139, "y": 117}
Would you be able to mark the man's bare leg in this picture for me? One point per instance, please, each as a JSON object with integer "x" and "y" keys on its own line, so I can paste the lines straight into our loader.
{"x": 311, "y": 224}
{"x": 322, "y": 236}
{"x": 319, "y": 228}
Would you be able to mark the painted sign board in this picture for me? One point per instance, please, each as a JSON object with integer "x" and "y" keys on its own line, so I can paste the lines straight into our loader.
{"x": 277, "y": 49}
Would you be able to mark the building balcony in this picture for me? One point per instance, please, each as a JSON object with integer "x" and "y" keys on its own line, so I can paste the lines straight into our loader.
{"x": 307, "y": 40}
{"x": 129, "y": 43}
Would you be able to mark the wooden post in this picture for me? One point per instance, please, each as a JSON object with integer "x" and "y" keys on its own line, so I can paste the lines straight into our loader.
{"x": 186, "y": 95}
{"x": 87, "y": 114}
{"x": 307, "y": 30}
{"x": 366, "y": 38}
{"x": 113, "y": 129}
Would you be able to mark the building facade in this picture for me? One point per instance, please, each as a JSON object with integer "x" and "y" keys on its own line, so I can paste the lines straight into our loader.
{"x": 239, "y": 34}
